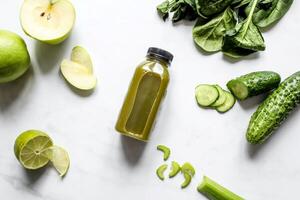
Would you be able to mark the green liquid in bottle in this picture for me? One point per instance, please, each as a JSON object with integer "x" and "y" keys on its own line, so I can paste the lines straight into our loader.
{"x": 144, "y": 97}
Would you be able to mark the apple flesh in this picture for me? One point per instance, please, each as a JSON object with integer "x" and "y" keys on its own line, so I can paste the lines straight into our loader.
{"x": 49, "y": 21}
{"x": 78, "y": 75}
{"x": 81, "y": 56}
{"x": 14, "y": 56}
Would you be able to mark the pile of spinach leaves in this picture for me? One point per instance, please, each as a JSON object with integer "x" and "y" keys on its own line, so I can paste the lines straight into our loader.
{"x": 231, "y": 26}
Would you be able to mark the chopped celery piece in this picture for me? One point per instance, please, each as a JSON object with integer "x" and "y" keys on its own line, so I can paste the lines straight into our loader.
{"x": 188, "y": 168}
{"x": 160, "y": 171}
{"x": 214, "y": 191}
{"x": 175, "y": 169}
{"x": 187, "y": 180}
{"x": 165, "y": 150}
{"x": 188, "y": 172}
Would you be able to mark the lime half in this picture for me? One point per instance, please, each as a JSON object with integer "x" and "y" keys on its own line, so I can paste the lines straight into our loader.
{"x": 30, "y": 149}
{"x": 59, "y": 158}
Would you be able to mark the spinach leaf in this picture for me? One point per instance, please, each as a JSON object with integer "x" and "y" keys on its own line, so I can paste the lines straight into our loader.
{"x": 209, "y": 36}
{"x": 243, "y": 3}
{"x": 269, "y": 11}
{"x": 247, "y": 38}
{"x": 181, "y": 9}
{"x": 212, "y": 7}
{"x": 163, "y": 9}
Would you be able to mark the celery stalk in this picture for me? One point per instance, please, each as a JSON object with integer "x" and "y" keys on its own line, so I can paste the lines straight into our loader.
{"x": 214, "y": 191}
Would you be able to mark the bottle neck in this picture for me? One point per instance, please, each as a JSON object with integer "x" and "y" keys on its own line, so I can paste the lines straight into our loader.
{"x": 158, "y": 59}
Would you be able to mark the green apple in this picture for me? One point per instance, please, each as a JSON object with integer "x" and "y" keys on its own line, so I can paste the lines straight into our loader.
{"x": 14, "y": 57}
{"x": 49, "y": 21}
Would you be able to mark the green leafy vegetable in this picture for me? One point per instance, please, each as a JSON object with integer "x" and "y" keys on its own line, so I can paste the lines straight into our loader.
{"x": 212, "y": 7}
{"x": 269, "y": 11}
{"x": 231, "y": 26}
{"x": 248, "y": 37}
{"x": 181, "y": 9}
{"x": 210, "y": 36}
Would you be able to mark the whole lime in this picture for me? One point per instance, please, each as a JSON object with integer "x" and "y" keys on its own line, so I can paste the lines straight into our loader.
{"x": 14, "y": 57}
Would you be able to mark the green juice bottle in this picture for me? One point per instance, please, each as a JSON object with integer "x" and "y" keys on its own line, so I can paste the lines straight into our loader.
{"x": 144, "y": 96}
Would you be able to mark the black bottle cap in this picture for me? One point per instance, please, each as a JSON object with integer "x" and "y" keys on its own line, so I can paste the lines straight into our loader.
{"x": 161, "y": 54}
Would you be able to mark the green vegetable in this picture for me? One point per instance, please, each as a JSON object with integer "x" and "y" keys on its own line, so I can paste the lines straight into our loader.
{"x": 209, "y": 36}
{"x": 247, "y": 37}
{"x": 175, "y": 169}
{"x": 228, "y": 104}
{"x": 274, "y": 110}
{"x": 211, "y": 7}
{"x": 270, "y": 11}
{"x": 165, "y": 150}
{"x": 231, "y": 26}
{"x": 160, "y": 171}
{"x": 188, "y": 172}
{"x": 187, "y": 180}
{"x": 253, "y": 84}
{"x": 206, "y": 95}
{"x": 222, "y": 97}
{"x": 214, "y": 191}
{"x": 182, "y": 9}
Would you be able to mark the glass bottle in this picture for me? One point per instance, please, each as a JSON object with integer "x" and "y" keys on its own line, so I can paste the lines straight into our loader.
{"x": 145, "y": 93}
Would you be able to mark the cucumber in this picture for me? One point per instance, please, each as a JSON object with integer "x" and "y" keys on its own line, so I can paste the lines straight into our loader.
{"x": 222, "y": 97}
{"x": 228, "y": 104}
{"x": 206, "y": 95}
{"x": 253, "y": 84}
{"x": 274, "y": 110}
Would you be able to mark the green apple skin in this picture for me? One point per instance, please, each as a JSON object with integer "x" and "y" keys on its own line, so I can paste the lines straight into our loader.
{"x": 14, "y": 56}
{"x": 53, "y": 41}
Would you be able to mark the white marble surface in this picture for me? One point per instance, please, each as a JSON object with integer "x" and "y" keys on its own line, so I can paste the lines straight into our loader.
{"x": 107, "y": 166}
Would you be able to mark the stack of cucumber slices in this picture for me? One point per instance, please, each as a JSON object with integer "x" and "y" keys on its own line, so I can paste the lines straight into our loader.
{"x": 213, "y": 96}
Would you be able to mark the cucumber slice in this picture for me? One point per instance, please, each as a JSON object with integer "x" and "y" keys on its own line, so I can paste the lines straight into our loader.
{"x": 206, "y": 95}
{"x": 228, "y": 104}
{"x": 222, "y": 97}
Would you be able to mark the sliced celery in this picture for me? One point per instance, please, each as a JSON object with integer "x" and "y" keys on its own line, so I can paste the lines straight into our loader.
{"x": 188, "y": 172}
{"x": 175, "y": 169}
{"x": 214, "y": 191}
{"x": 187, "y": 180}
{"x": 160, "y": 171}
{"x": 166, "y": 150}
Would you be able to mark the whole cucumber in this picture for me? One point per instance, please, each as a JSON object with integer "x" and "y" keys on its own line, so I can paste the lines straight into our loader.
{"x": 274, "y": 110}
{"x": 253, "y": 84}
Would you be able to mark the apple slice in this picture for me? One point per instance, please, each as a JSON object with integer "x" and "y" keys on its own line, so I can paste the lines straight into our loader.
{"x": 78, "y": 75}
{"x": 49, "y": 21}
{"x": 81, "y": 56}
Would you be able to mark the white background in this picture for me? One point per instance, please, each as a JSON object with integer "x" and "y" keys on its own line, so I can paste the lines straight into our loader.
{"x": 106, "y": 166}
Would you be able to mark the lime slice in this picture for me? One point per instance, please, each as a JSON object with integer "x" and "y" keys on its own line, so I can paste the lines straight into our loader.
{"x": 81, "y": 56}
{"x": 59, "y": 158}
{"x": 30, "y": 149}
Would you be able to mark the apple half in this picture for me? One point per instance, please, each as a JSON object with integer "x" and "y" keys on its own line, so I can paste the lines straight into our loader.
{"x": 79, "y": 70}
{"x": 49, "y": 21}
